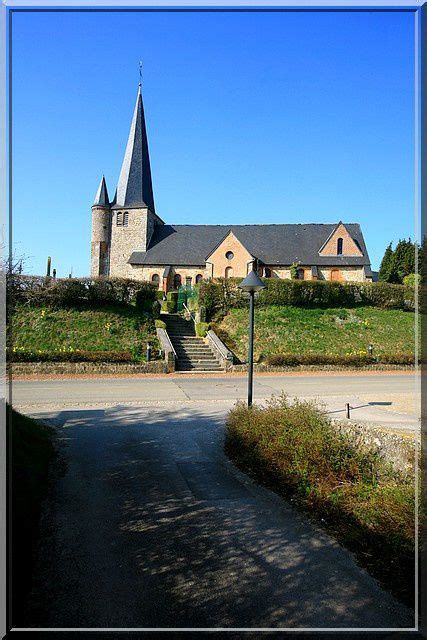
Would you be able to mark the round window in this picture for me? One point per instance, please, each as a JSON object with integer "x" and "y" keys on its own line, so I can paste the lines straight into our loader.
{"x": 229, "y": 255}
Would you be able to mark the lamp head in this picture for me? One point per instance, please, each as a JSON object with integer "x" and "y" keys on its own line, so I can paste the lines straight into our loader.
{"x": 252, "y": 283}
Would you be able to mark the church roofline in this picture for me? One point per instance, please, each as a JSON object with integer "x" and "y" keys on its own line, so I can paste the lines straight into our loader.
{"x": 134, "y": 187}
{"x": 101, "y": 197}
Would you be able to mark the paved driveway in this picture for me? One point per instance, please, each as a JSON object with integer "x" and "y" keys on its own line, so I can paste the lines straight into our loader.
{"x": 150, "y": 526}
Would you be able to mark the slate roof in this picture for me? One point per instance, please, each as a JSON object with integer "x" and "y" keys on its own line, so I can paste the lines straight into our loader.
{"x": 273, "y": 244}
{"x": 101, "y": 197}
{"x": 134, "y": 188}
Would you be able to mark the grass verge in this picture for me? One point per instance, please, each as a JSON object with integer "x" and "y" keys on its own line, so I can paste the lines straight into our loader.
{"x": 32, "y": 453}
{"x": 295, "y": 335}
{"x": 295, "y": 450}
{"x": 114, "y": 333}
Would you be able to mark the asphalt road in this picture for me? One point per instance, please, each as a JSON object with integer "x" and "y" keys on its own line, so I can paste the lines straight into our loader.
{"x": 149, "y": 526}
{"x": 373, "y": 398}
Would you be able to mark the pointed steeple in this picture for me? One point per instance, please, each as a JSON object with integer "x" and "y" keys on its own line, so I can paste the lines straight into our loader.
{"x": 101, "y": 198}
{"x": 134, "y": 188}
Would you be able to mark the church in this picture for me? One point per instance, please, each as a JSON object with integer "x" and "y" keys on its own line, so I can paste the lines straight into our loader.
{"x": 130, "y": 240}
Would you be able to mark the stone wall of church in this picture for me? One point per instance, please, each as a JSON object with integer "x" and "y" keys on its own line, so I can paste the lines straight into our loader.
{"x": 126, "y": 239}
{"x": 100, "y": 240}
{"x": 143, "y": 272}
{"x": 347, "y": 274}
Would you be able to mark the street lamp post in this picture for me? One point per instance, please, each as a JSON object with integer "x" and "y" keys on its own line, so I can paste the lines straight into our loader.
{"x": 251, "y": 283}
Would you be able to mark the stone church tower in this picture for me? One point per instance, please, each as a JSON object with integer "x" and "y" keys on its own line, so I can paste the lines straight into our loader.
{"x": 127, "y": 223}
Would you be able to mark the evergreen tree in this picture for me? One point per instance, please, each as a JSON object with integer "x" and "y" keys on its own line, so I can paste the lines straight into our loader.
{"x": 399, "y": 263}
{"x": 386, "y": 264}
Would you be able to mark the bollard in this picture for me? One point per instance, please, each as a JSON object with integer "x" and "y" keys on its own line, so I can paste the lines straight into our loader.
{"x": 347, "y": 408}
{"x": 148, "y": 352}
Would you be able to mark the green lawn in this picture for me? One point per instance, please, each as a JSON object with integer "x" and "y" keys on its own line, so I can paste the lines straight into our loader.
{"x": 334, "y": 332}
{"x": 107, "y": 329}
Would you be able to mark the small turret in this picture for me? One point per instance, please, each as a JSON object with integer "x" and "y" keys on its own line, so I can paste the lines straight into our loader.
{"x": 101, "y": 232}
{"x": 101, "y": 198}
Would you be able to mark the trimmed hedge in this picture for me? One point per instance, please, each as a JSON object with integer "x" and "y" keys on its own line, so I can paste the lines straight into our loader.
{"x": 172, "y": 301}
{"x": 71, "y": 292}
{"x": 220, "y": 295}
{"x": 294, "y": 360}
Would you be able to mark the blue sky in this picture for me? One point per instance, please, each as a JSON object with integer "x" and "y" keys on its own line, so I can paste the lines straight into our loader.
{"x": 252, "y": 117}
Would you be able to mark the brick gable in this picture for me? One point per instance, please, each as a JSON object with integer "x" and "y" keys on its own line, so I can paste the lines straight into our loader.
{"x": 349, "y": 246}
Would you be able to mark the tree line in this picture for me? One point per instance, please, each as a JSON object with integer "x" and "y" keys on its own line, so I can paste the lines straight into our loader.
{"x": 399, "y": 263}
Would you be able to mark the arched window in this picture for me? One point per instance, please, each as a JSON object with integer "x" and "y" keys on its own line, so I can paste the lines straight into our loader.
{"x": 119, "y": 219}
{"x": 339, "y": 247}
{"x": 267, "y": 272}
{"x": 336, "y": 275}
{"x": 125, "y": 219}
{"x": 300, "y": 274}
{"x": 177, "y": 280}
{"x": 155, "y": 279}
{"x": 199, "y": 278}
{"x": 229, "y": 272}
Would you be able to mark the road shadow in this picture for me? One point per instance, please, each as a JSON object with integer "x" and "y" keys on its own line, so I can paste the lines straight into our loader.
{"x": 148, "y": 527}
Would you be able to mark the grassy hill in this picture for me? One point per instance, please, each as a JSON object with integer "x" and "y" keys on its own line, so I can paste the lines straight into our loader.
{"x": 322, "y": 332}
{"x": 115, "y": 329}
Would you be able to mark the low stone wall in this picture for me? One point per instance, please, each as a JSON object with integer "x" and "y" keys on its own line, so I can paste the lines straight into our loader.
{"x": 31, "y": 368}
{"x": 398, "y": 449}
{"x": 168, "y": 350}
{"x": 219, "y": 348}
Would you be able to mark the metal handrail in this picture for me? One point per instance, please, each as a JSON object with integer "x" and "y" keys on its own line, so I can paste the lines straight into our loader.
{"x": 166, "y": 337}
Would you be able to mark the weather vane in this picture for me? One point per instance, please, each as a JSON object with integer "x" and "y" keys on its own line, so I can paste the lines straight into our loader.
{"x": 140, "y": 73}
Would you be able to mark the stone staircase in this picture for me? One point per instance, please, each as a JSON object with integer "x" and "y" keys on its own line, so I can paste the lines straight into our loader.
{"x": 193, "y": 354}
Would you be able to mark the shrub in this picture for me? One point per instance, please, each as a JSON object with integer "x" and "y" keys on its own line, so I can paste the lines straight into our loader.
{"x": 294, "y": 270}
{"x": 33, "y": 452}
{"x": 202, "y": 313}
{"x": 218, "y": 296}
{"x": 156, "y": 307}
{"x": 159, "y": 324}
{"x": 201, "y": 329}
{"x": 71, "y": 292}
{"x": 172, "y": 299}
{"x": 357, "y": 360}
{"x": 159, "y": 295}
{"x": 295, "y": 449}
{"x": 293, "y": 359}
{"x": 412, "y": 280}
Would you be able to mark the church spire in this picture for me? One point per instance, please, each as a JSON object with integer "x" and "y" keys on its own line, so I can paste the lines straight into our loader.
{"x": 134, "y": 188}
{"x": 101, "y": 198}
